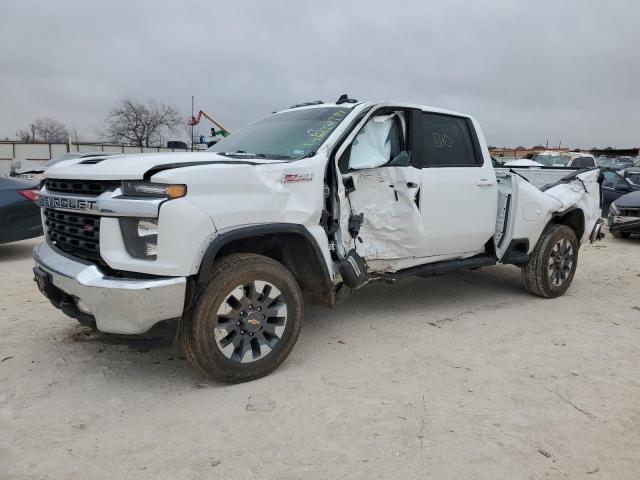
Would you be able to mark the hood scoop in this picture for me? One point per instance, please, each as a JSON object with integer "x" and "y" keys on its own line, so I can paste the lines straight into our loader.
{"x": 93, "y": 160}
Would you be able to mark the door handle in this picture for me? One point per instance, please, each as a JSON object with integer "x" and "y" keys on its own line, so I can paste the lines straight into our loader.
{"x": 484, "y": 182}
{"x": 412, "y": 185}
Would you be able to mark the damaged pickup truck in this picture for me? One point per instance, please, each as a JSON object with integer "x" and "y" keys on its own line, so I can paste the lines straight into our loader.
{"x": 307, "y": 203}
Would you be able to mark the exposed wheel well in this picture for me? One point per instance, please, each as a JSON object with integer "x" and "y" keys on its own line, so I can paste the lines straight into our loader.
{"x": 574, "y": 219}
{"x": 291, "y": 245}
{"x": 290, "y": 249}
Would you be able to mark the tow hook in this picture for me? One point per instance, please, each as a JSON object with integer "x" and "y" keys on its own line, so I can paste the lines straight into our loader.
{"x": 597, "y": 234}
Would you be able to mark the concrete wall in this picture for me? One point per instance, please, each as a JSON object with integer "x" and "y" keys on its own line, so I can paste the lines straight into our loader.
{"x": 37, "y": 153}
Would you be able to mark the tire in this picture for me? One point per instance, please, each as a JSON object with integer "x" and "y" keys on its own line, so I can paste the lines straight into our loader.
{"x": 245, "y": 321}
{"x": 552, "y": 264}
{"x": 619, "y": 234}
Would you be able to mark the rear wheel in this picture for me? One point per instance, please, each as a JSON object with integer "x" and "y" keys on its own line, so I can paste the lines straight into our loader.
{"x": 245, "y": 321}
{"x": 552, "y": 264}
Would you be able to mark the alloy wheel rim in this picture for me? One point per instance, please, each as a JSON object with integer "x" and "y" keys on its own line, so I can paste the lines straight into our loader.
{"x": 560, "y": 262}
{"x": 250, "y": 321}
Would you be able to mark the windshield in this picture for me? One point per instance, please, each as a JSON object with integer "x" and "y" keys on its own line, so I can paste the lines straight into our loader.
{"x": 287, "y": 136}
{"x": 634, "y": 177}
{"x": 551, "y": 160}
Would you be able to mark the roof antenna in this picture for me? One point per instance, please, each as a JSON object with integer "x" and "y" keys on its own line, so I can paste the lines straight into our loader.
{"x": 344, "y": 98}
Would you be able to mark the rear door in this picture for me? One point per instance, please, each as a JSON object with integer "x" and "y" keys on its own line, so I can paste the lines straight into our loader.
{"x": 458, "y": 195}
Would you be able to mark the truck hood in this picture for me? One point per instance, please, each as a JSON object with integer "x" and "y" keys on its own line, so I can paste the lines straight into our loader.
{"x": 134, "y": 167}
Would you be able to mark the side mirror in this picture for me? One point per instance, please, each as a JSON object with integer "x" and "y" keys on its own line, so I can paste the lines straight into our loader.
{"x": 623, "y": 187}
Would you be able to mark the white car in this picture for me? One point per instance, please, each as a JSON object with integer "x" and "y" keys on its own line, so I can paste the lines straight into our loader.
{"x": 34, "y": 169}
{"x": 550, "y": 158}
{"x": 319, "y": 199}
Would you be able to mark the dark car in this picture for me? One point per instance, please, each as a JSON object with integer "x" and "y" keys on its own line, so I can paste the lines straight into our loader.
{"x": 614, "y": 186}
{"x": 19, "y": 213}
{"x": 617, "y": 163}
{"x": 624, "y": 215}
{"x": 632, "y": 175}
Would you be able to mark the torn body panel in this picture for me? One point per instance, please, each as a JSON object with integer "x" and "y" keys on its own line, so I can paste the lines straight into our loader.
{"x": 530, "y": 210}
{"x": 391, "y": 227}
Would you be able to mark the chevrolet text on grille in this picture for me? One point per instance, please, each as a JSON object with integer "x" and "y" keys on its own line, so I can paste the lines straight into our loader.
{"x": 70, "y": 203}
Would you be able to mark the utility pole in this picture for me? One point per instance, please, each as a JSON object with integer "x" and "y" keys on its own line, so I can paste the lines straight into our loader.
{"x": 192, "y": 124}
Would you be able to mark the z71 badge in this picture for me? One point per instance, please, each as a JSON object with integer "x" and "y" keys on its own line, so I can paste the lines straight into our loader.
{"x": 297, "y": 177}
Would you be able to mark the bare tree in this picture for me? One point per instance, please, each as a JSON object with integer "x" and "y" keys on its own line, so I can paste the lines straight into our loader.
{"x": 45, "y": 130}
{"x": 140, "y": 124}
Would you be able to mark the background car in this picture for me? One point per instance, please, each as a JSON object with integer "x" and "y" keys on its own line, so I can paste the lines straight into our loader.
{"x": 565, "y": 159}
{"x": 631, "y": 175}
{"x": 19, "y": 214}
{"x": 615, "y": 164}
{"x": 30, "y": 170}
{"x": 624, "y": 215}
{"x": 613, "y": 187}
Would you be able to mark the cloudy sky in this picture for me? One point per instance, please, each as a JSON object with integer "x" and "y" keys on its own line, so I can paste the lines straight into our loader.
{"x": 530, "y": 71}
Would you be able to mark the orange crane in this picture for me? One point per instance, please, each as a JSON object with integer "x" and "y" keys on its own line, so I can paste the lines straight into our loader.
{"x": 196, "y": 120}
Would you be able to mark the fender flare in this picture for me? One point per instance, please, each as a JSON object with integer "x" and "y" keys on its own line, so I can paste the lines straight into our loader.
{"x": 256, "y": 230}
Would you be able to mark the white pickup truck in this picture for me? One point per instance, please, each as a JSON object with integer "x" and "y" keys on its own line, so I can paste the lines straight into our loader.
{"x": 310, "y": 202}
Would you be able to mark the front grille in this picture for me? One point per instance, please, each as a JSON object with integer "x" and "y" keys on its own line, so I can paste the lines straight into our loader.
{"x": 74, "y": 233}
{"x": 81, "y": 187}
{"x": 630, "y": 212}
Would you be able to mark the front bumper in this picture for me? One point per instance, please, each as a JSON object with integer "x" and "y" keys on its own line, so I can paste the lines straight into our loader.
{"x": 117, "y": 305}
{"x": 623, "y": 224}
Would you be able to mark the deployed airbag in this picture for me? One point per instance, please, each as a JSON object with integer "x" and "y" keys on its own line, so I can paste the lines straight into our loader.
{"x": 372, "y": 147}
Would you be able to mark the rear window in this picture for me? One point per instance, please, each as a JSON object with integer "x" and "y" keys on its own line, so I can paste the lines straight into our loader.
{"x": 584, "y": 162}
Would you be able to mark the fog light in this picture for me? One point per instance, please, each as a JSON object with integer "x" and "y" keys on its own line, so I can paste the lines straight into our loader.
{"x": 152, "y": 249}
{"x": 140, "y": 236}
{"x": 147, "y": 227}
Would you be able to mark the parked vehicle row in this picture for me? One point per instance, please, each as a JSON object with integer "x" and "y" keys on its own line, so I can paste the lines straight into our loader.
{"x": 562, "y": 159}
{"x": 616, "y": 163}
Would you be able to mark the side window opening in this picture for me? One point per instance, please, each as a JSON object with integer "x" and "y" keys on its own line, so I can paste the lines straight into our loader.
{"x": 378, "y": 143}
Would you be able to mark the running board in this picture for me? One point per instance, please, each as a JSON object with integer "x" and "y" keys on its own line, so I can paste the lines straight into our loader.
{"x": 477, "y": 261}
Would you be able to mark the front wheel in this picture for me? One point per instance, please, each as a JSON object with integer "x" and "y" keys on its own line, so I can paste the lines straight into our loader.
{"x": 245, "y": 321}
{"x": 552, "y": 264}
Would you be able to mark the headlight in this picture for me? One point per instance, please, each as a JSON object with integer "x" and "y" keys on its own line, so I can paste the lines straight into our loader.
{"x": 157, "y": 190}
{"x": 140, "y": 236}
{"x": 613, "y": 209}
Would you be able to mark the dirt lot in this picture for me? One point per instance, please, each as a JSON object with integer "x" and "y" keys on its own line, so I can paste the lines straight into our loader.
{"x": 462, "y": 376}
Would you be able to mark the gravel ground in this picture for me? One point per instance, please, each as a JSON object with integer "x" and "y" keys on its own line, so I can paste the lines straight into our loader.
{"x": 464, "y": 376}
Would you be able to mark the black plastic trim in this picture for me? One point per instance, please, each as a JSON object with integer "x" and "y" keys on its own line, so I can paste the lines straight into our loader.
{"x": 256, "y": 230}
{"x": 170, "y": 166}
{"x": 505, "y": 224}
{"x": 516, "y": 257}
{"x": 481, "y": 260}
